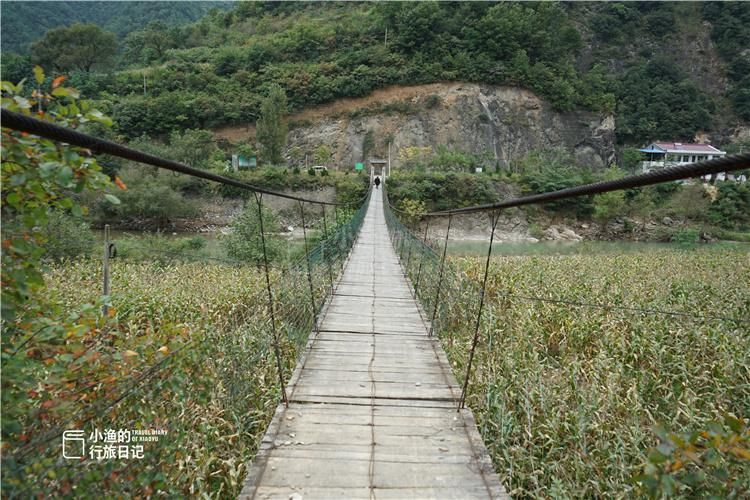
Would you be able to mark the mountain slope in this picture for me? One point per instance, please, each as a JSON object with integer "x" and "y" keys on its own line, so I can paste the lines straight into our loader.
{"x": 25, "y": 22}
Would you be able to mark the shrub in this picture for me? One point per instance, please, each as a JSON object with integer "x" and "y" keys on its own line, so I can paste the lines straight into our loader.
{"x": 686, "y": 238}
{"x": 413, "y": 211}
{"x": 710, "y": 462}
{"x": 67, "y": 236}
{"x": 731, "y": 209}
{"x": 351, "y": 188}
{"x": 246, "y": 243}
{"x": 151, "y": 195}
{"x": 432, "y": 101}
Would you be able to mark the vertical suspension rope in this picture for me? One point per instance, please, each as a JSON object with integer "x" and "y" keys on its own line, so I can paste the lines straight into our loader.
{"x": 440, "y": 278}
{"x": 309, "y": 270}
{"x": 421, "y": 259}
{"x": 408, "y": 254}
{"x": 462, "y": 402}
{"x": 326, "y": 245}
{"x": 277, "y": 351}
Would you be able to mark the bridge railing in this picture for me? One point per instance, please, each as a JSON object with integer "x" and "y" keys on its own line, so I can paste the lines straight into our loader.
{"x": 198, "y": 346}
{"x": 444, "y": 289}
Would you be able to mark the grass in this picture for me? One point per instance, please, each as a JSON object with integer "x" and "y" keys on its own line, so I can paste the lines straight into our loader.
{"x": 199, "y": 335}
{"x": 468, "y": 248}
{"x": 568, "y": 398}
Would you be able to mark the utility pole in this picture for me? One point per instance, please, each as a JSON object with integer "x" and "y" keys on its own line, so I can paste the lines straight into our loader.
{"x": 105, "y": 271}
{"x": 389, "y": 158}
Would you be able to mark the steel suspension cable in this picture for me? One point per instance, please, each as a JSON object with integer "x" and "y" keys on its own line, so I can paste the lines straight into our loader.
{"x": 462, "y": 402}
{"x": 669, "y": 174}
{"x": 277, "y": 351}
{"x": 440, "y": 278}
{"x": 23, "y": 123}
{"x": 328, "y": 260}
{"x": 421, "y": 259}
{"x": 309, "y": 271}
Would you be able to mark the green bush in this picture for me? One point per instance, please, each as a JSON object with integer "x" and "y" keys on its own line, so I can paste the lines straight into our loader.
{"x": 67, "y": 236}
{"x": 711, "y": 462}
{"x": 731, "y": 210}
{"x": 246, "y": 243}
{"x": 547, "y": 171}
{"x": 351, "y": 188}
{"x": 152, "y": 195}
{"x": 440, "y": 190}
{"x": 160, "y": 248}
{"x": 686, "y": 237}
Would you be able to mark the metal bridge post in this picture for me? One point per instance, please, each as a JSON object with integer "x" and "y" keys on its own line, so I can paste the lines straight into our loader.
{"x": 421, "y": 259}
{"x": 309, "y": 270}
{"x": 325, "y": 245}
{"x": 401, "y": 240}
{"x": 462, "y": 401}
{"x": 408, "y": 254}
{"x": 440, "y": 278}
{"x": 277, "y": 351}
{"x": 105, "y": 271}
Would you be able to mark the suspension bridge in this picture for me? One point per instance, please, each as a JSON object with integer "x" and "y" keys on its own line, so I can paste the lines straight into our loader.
{"x": 372, "y": 408}
{"x": 372, "y": 404}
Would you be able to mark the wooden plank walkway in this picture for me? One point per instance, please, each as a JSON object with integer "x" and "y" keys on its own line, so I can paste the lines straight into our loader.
{"x": 372, "y": 410}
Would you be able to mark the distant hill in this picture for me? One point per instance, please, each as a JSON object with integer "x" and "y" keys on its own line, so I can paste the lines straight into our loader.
{"x": 25, "y": 22}
{"x": 663, "y": 70}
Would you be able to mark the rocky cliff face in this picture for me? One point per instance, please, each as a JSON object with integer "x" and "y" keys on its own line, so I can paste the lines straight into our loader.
{"x": 501, "y": 124}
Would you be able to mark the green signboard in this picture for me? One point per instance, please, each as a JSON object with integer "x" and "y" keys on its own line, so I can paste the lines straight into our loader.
{"x": 359, "y": 166}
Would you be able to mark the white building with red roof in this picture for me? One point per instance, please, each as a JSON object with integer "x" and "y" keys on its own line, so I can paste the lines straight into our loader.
{"x": 668, "y": 154}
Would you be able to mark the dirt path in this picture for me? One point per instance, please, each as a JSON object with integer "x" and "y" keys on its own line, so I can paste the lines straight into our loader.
{"x": 394, "y": 93}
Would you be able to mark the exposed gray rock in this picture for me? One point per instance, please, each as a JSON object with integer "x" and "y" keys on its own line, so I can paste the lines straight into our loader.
{"x": 501, "y": 124}
{"x": 557, "y": 233}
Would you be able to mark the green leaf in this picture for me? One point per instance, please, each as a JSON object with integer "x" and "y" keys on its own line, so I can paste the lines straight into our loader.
{"x": 8, "y": 87}
{"x": 97, "y": 116}
{"x": 112, "y": 199}
{"x": 65, "y": 92}
{"x": 22, "y": 102}
{"x": 38, "y": 74}
{"x": 65, "y": 175}
{"x": 655, "y": 457}
{"x": 13, "y": 199}
{"x": 18, "y": 179}
{"x": 733, "y": 423}
{"x": 46, "y": 169}
{"x": 76, "y": 210}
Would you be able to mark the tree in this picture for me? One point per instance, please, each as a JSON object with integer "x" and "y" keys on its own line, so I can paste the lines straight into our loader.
{"x": 631, "y": 157}
{"x": 612, "y": 204}
{"x": 245, "y": 241}
{"x": 322, "y": 154}
{"x": 271, "y": 129}
{"x": 80, "y": 46}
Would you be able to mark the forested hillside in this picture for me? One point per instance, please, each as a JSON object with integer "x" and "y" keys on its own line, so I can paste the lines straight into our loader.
{"x": 25, "y": 22}
{"x": 667, "y": 70}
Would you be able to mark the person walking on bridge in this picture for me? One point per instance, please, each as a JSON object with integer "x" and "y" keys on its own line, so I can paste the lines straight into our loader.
{"x": 377, "y": 182}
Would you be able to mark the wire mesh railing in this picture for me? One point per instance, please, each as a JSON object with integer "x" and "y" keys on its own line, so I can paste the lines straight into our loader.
{"x": 215, "y": 332}
{"x": 444, "y": 290}
{"x": 156, "y": 373}
{"x": 570, "y": 362}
